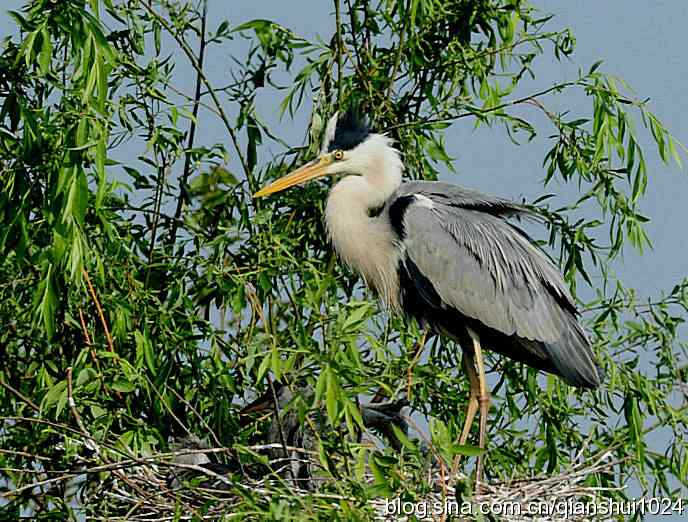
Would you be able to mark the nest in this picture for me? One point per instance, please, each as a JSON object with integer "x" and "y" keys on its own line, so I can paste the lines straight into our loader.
{"x": 187, "y": 485}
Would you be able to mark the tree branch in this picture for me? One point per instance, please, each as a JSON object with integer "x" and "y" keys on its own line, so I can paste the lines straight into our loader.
{"x": 184, "y": 197}
{"x": 194, "y": 63}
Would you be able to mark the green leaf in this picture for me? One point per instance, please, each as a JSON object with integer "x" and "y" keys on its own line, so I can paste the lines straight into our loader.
{"x": 123, "y": 385}
{"x": 45, "y": 301}
{"x": 53, "y": 395}
{"x": 257, "y": 25}
{"x": 332, "y": 399}
{"x": 144, "y": 350}
{"x": 403, "y": 438}
{"x": 77, "y": 198}
{"x": 353, "y": 320}
{"x": 85, "y": 376}
{"x": 46, "y": 53}
{"x": 595, "y": 66}
{"x": 467, "y": 450}
{"x": 264, "y": 366}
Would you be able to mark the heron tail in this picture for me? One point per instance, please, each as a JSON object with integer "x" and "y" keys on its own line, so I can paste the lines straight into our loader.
{"x": 573, "y": 358}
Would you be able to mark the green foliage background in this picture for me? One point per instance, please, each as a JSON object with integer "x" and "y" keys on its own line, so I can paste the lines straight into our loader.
{"x": 157, "y": 295}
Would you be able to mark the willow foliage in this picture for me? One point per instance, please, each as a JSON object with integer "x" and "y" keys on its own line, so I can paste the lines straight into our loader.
{"x": 144, "y": 295}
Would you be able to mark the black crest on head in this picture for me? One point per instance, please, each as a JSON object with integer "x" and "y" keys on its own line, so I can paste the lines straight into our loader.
{"x": 352, "y": 130}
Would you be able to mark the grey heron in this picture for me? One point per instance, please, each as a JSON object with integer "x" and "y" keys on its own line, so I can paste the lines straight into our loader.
{"x": 449, "y": 257}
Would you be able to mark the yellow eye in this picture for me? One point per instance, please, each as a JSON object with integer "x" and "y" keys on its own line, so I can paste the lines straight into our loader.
{"x": 338, "y": 155}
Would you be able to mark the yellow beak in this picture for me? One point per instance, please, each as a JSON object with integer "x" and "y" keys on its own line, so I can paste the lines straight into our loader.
{"x": 314, "y": 169}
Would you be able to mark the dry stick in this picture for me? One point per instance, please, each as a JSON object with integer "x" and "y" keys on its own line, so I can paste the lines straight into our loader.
{"x": 111, "y": 346}
{"x": 57, "y": 425}
{"x": 85, "y": 433}
{"x": 129, "y": 461}
{"x": 134, "y": 508}
{"x": 143, "y": 461}
{"x": 87, "y": 337}
{"x": 83, "y": 327}
{"x": 195, "y": 412}
{"x": 19, "y": 394}
{"x": 24, "y": 454}
{"x": 150, "y": 498}
{"x": 443, "y": 480}
{"x": 258, "y": 310}
{"x": 72, "y": 407}
{"x": 115, "y": 467}
{"x": 68, "y": 476}
{"x": 278, "y": 420}
{"x": 14, "y": 492}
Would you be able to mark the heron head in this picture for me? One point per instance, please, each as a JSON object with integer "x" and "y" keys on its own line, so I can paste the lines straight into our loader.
{"x": 343, "y": 152}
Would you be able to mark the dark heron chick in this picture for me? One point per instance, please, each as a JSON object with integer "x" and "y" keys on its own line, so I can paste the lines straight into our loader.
{"x": 300, "y": 438}
{"x": 190, "y": 454}
{"x": 448, "y": 257}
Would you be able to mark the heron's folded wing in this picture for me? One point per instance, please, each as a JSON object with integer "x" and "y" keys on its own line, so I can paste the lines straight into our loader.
{"x": 488, "y": 271}
{"x": 466, "y": 198}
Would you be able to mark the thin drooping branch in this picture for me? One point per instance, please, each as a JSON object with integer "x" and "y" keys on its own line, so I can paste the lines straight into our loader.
{"x": 20, "y": 395}
{"x": 340, "y": 46}
{"x": 163, "y": 172}
{"x": 184, "y": 197}
{"x": 397, "y": 59}
{"x": 194, "y": 63}
{"x": 518, "y": 101}
{"x": 111, "y": 346}
{"x": 354, "y": 29}
{"x": 278, "y": 420}
{"x": 200, "y": 418}
{"x": 72, "y": 407}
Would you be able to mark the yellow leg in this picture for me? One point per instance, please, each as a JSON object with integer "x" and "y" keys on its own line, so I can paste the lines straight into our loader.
{"x": 483, "y": 403}
{"x": 472, "y": 408}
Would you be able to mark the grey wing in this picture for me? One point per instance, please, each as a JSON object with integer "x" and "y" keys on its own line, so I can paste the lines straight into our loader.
{"x": 489, "y": 272}
{"x": 463, "y": 197}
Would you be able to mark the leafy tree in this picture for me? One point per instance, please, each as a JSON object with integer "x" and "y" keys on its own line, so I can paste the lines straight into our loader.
{"x": 145, "y": 296}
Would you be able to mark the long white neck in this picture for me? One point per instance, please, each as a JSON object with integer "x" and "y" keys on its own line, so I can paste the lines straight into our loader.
{"x": 365, "y": 242}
